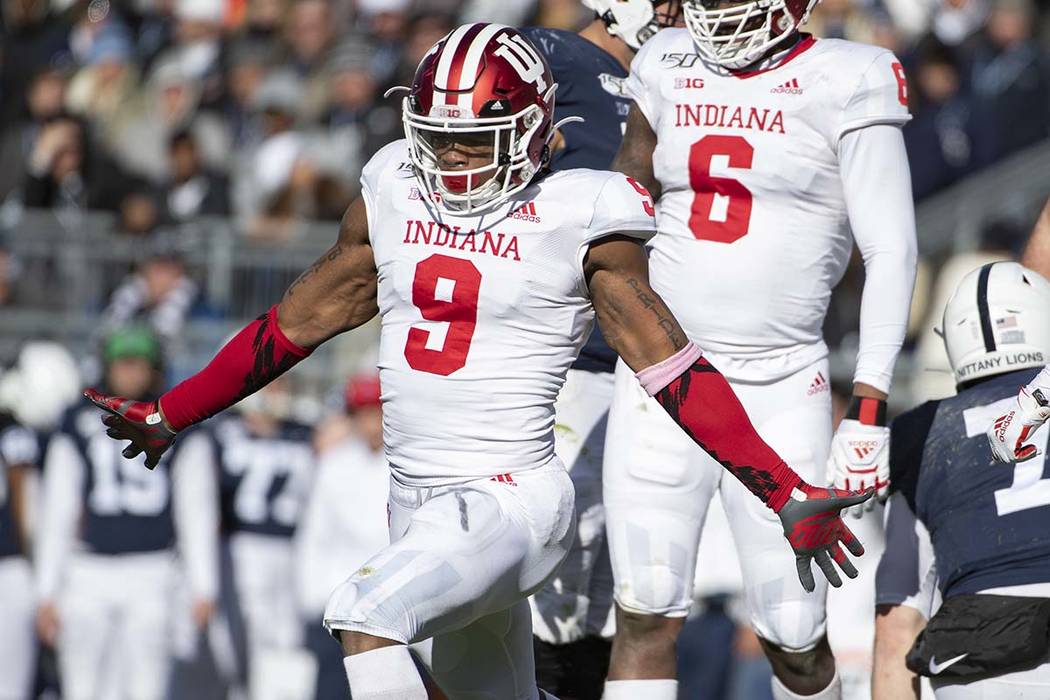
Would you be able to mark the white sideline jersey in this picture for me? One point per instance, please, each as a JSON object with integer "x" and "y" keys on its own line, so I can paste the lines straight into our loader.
{"x": 752, "y": 220}
{"x": 483, "y": 315}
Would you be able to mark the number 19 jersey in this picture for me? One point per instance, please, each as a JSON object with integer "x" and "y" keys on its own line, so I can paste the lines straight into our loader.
{"x": 752, "y": 218}
{"x": 483, "y": 315}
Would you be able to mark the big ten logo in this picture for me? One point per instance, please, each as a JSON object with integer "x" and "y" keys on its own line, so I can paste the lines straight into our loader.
{"x": 688, "y": 83}
{"x": 448, "y": 112}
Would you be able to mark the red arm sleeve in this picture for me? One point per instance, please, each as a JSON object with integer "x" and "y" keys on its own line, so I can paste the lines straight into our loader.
{"x": 701, "y": 401}
{"x": 253, "y": 358}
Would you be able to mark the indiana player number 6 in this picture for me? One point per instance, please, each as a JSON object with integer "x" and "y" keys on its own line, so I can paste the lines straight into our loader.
{"x": 732, "y": 222}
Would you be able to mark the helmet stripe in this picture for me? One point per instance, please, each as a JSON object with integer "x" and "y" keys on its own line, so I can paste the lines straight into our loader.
{"x": 473, "y": 58}
{"x": 982, "y": 307}
{"x": 455, "y": 71}
{"x": 445, "y": 62}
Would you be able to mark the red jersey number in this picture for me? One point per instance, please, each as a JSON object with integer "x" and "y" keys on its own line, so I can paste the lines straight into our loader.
{"x": 902, "y": 83}
{"x": 721, "y": 209}
{"x": 444, "y": 289}
{"x": 647, "y": 199}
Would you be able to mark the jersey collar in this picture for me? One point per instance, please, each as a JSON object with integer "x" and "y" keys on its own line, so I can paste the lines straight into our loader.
{"x": 804, "y": 44}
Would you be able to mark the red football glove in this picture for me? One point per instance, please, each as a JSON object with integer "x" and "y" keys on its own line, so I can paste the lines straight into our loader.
{"x": 814, "y": 527}
{"x": 137, "y": 421}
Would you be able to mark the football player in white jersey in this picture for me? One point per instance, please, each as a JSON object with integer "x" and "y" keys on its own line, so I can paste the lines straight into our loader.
{"x": 487, "y": 272}
{"x": 762, "y": 147}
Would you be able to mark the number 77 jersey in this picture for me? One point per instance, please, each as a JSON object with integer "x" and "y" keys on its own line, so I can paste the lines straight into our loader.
{"x": 483, "y": 314}
{"x": 752, "y": 218}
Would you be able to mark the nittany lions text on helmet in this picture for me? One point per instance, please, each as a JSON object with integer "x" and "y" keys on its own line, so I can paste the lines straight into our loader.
{"x": 997, "y": 321}
{"x": 483, "y": 84}
{"x": 737, "y": 36}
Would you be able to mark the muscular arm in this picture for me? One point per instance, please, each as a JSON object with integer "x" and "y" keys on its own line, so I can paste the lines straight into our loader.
{"x": 337, "y": 293}
{"x": 896, "y": 627}
{"x": 635, "y": 157}
{"x": 1037, "y": 252}
{"x": 642, "y": 330}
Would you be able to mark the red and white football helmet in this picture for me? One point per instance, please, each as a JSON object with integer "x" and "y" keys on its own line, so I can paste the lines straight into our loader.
{"x": 737, "y": 36}
{"x": 482, "y": 83}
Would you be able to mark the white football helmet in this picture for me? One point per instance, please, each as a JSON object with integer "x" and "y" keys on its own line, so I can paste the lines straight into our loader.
{"x": 634, "y": 21}
{"x": 997, "y": 321}
{"x": 741, "y": 33}
{"x": 42, "y": 384}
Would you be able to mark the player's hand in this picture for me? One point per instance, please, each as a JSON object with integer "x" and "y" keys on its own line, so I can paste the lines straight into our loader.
{"x": 203, "y": 609}
{"x": 137, "y": 421}
{"x": 860, "y": 460}
{"x": 1008, "y": 434}
{"x": 47, "y": 623}
{"x": 813, "y": 525}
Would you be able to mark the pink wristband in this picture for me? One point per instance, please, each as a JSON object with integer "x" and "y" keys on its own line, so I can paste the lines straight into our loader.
{"x": 655, "y": 378}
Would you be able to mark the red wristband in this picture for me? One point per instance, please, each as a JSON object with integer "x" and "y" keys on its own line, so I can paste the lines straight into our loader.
{"x": 866, "y": 410}
{"x": 253, "y": 358}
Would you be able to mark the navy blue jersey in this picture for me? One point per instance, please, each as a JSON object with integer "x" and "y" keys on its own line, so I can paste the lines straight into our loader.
{"x": 127, "y": 508}
{"x": 988, "y": 522}
{"x": 8, "y": 535}
{"x": 263, "y": 481}
{"x": 590, "y": 85}
{"x": 19, "y": 446}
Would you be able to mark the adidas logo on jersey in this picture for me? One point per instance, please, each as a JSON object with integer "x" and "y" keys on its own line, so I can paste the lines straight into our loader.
{"x": 789, "y": 88}
{"x": 526, "y": 212}
{"x": 818, "y": 385}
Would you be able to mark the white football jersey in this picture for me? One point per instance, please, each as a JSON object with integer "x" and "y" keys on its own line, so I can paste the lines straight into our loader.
{"x": 753, "y": 228}
{"x": 483, "y": 315}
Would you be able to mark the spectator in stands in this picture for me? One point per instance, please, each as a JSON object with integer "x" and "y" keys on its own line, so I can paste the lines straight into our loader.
{"x": 44, "y": 99}
{"x": 107, "y": 83}
{"x": 62, "y": 171}
{"x": 9, "y": 271}
{"x": 940, "y": 138}
{"x": 355, "y": 125}
{"x": 193, "y": 190}
{"x": 249, "y": 59}
{"x": 309, "y": 33}
{"x": 139, "y": 209}
{"x": 198, "y": 43}
{"x": 387, "y": 22}
{"x": 31, "y": 39}
{"x": 169, "y": 102}
{"x": 159, "y": 294}
{"x": 264, "y": 166}
{"x": 1011, "y": 82}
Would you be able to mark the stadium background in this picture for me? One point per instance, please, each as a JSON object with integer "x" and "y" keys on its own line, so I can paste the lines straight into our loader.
{"x": 178, "y": 162}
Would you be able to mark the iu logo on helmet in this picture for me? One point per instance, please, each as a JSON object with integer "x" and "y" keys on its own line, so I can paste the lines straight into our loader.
{"x": 517, "y": 52}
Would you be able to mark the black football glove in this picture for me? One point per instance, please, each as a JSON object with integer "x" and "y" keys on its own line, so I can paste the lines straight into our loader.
{"x": 137, "y": 421}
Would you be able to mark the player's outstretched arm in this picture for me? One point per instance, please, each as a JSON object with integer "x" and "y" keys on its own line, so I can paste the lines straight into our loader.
{"x": 1009, "y": 435}
{"x": 337, "y": 293}
{"x": 640, "y": 327}
{"x": 635, "y": 157}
